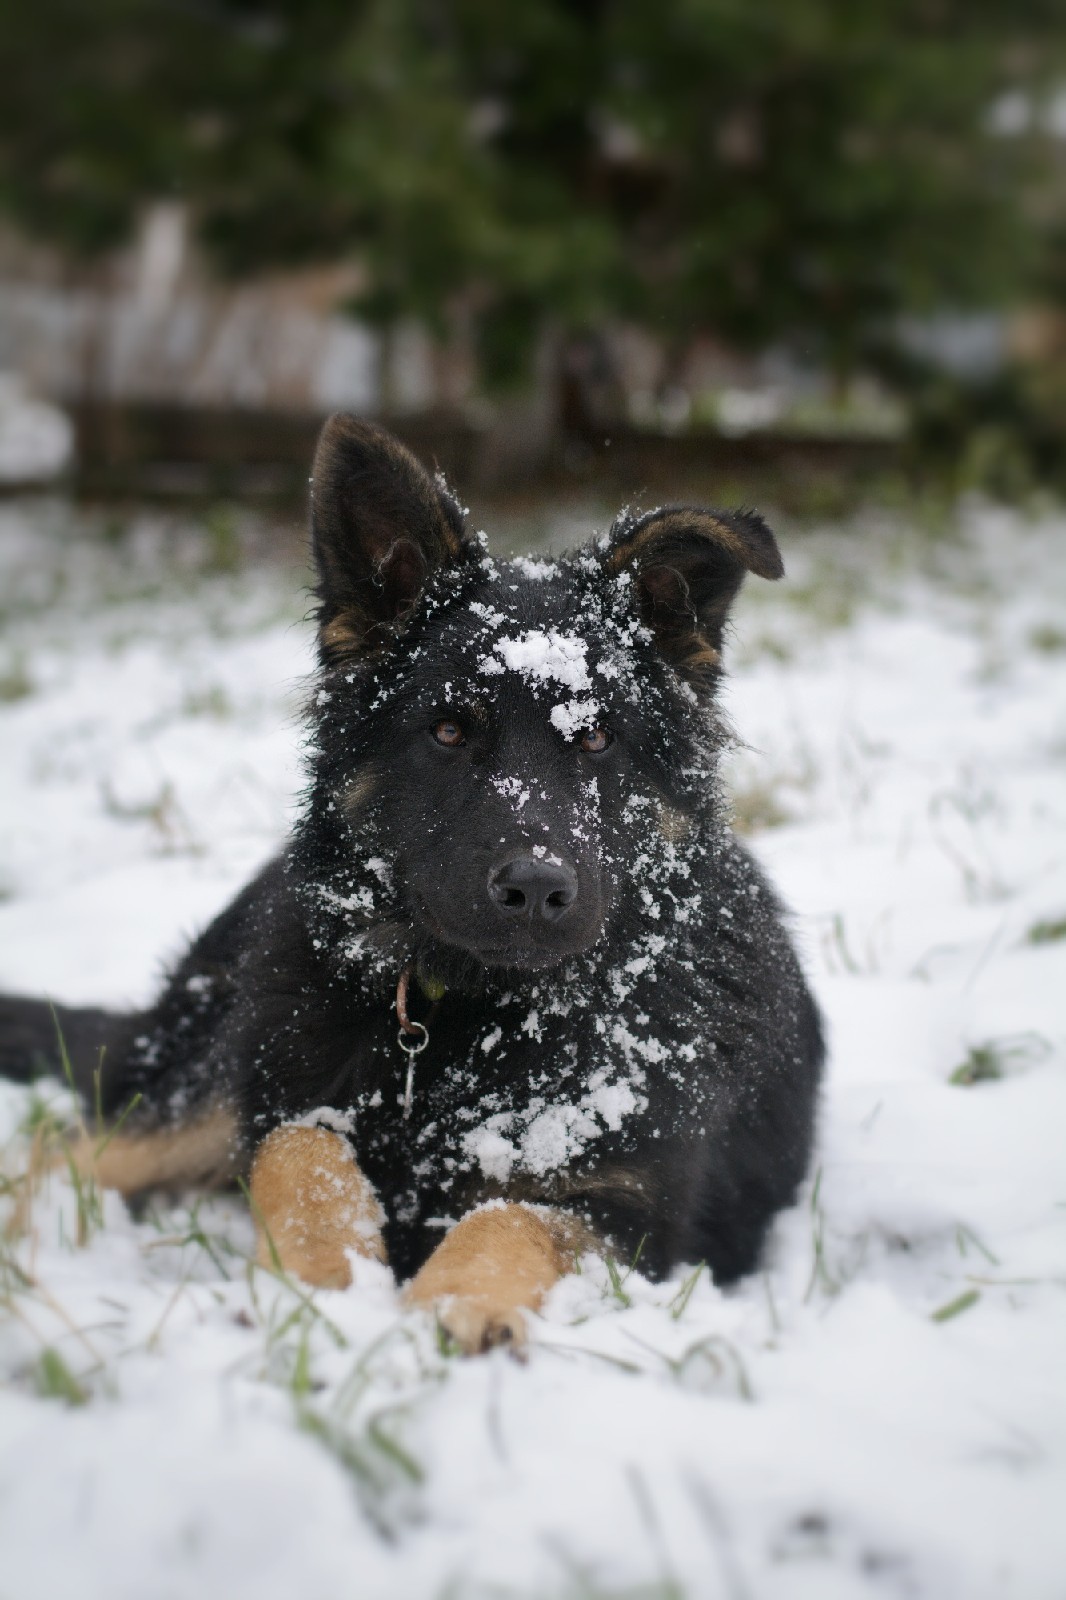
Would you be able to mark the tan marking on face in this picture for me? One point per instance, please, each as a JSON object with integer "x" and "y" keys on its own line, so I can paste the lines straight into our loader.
{"x": 311, "y": 1201}
{"x": 358, "y": 794}
{"x": 493, "y": 1265}
{"x": 674, "y": 826}
{"x": 202, "y": 1154}
{"x": 343, "y": 635}
{"x": 701, "y": 654}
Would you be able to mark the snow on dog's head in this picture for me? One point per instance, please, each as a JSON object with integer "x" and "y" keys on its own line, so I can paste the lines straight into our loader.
{"x": 497, "y": 732}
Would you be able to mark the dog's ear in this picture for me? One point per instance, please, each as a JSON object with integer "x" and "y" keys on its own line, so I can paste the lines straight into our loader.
{"x": 381, "y": 527}
{"x": 687, "y": 565}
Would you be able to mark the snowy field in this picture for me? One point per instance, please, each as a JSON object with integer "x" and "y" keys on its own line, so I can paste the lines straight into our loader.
{"x": 880, "y": 1413}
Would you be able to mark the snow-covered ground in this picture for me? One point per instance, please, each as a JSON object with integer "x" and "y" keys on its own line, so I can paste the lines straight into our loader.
{"x": 881, "y": 1413}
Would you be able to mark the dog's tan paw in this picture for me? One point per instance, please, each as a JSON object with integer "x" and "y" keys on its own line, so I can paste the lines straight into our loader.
{"x": 477, "y": 1328}
{"x": 496, "y": 1264}
{"x": 312, "y": 1206}
{"x": 324, "y": 1267}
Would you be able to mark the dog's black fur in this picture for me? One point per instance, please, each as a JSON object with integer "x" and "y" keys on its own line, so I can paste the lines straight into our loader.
{"x": 618, "y": 1025}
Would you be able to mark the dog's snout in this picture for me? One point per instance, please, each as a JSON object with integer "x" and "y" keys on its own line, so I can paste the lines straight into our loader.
{"x": 528, "y": 886}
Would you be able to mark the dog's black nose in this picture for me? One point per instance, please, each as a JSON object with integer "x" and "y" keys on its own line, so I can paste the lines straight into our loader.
{"x": 529, "y": 887}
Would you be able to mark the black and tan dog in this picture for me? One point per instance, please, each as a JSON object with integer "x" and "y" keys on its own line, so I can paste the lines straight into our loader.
{"x": 512, "y": 989}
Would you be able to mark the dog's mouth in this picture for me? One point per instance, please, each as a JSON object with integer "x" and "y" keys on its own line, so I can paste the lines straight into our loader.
{"x": 525, "y": 948}
{"x": 528, "y": 958}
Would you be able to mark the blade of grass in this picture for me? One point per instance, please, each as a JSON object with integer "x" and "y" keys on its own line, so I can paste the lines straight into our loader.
{"x": 679, "y": 1303}
{"x": 956, "y": 1307}
{"x": 55, "y": 1381}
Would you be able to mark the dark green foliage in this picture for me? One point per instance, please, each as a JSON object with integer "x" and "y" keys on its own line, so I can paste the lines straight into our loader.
{"x": 982, "y": 1065}
{"x": 55, "y": 1381}
{"x": 955, "y": 1308}
{"x": 998, "y": 1058}
{"x": 760, "y": 168}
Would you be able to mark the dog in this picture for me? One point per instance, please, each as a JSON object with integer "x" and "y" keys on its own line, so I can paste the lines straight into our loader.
{"x": 512, "y": 990}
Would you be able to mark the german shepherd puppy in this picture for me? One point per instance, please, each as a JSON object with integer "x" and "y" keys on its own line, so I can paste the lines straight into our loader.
{"x": 512, "y": 989}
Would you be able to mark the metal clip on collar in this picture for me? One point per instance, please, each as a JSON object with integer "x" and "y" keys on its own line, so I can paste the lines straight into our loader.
{"x": 412, "y": 1040}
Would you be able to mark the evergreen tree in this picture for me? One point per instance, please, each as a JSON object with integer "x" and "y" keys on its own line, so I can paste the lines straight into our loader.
{"x": 767, "y": 170}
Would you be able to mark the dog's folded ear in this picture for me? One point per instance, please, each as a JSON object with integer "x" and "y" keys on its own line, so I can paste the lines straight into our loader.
{"x": 381, "y": 527}
{"x": 687, "y": 565}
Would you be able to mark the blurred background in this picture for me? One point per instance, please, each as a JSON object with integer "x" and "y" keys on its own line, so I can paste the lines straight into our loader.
{"x": 808, "y": 255}
{"x": 798, "y": 250}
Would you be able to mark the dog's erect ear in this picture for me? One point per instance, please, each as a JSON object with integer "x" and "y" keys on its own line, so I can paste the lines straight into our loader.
{"x": 687, "y": 565}
{"x": 380, "y": 527}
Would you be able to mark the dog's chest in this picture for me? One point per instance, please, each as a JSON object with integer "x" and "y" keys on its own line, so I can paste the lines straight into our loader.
{"x": 526, "y": 1091}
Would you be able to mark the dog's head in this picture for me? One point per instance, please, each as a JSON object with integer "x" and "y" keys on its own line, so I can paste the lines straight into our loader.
{"x": 510, "y": 755}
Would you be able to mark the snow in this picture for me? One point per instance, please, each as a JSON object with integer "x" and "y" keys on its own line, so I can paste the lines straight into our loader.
{"x": 880, "y": 1413}
{"x": 541, "y": 1136}
{"x": 547, "y": 657}
{"x": 569, "y": 717}
{"x": 36, "y": 439}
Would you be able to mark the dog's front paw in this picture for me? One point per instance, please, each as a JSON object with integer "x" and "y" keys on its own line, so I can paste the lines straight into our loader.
{"x": 313, "y": 1206}
{"x": 476, "y": 1326}
{"x": 320, "y": 1266}
{"x": 496, "y": 1264}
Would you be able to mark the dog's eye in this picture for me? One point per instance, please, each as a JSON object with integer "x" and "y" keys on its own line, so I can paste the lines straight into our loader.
{"x": 596, "y": 741}
{"x": 448, "y": 733}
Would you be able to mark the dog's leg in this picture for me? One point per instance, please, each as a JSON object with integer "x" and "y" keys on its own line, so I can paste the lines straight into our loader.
{"x": 312, "y": 1205}
{"x": 493, "y": 1265}
{"x": 200, "y": 1154}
